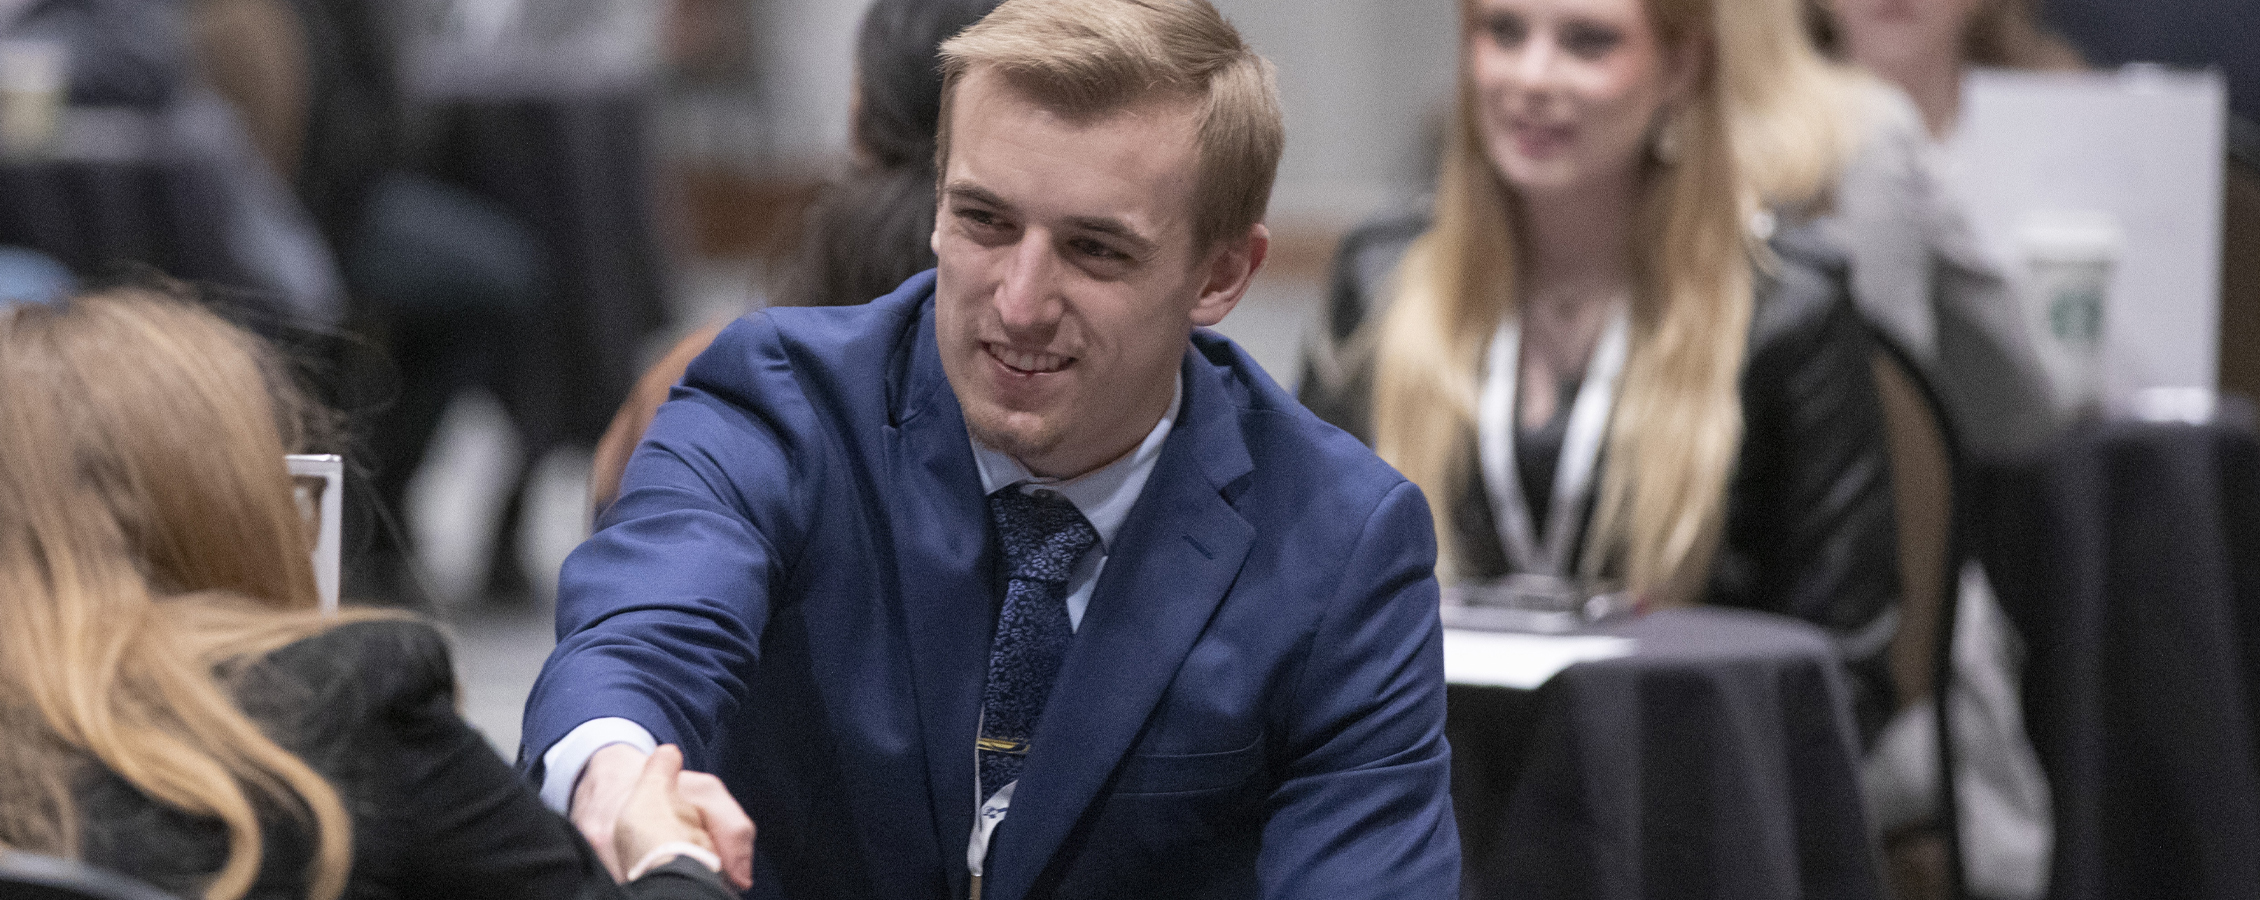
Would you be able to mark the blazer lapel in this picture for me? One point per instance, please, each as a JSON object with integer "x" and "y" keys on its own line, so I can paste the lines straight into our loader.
{"x": 945, "y": 563}
{"x": 1172, "y": 563}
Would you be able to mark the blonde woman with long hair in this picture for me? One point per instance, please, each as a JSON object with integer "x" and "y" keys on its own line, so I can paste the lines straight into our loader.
{"x": 173, "y": 705}
{"x": 1589, "y": 354}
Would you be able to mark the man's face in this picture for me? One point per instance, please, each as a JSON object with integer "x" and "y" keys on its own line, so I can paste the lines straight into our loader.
{"x": 1068, "y": 277}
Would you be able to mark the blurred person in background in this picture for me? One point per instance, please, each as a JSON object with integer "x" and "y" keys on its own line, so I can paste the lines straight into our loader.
{"x": 1595, "y": 293}
{"x": 868, "y": 232}
{"x": 1921, "y": 273}
{"x": 131, "y": 73}
{"x": 1918, "y": 269}
{"x": 122, "y": 53}
{"x": 1601, "y": 227}
{"x": 175, "y": 707}
{"x": 457, "y": 289}
{"x": 1924, "y": 46}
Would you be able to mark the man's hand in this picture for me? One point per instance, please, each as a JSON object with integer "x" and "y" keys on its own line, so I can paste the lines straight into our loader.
{"x": 670, "y": 805}
{"x": 726, "y": 824}
{"x": 623, "y": 803}
{"x": 601, "y": 794}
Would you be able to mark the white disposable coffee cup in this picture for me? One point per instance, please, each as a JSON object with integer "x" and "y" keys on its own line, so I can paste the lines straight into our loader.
{"x": 2069, "y": 257}
{"x": 33, "y": 76}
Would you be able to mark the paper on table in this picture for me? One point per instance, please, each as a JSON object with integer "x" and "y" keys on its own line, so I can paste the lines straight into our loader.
{"x": 319, "y": 483}
{"x": 1521, "y": 661}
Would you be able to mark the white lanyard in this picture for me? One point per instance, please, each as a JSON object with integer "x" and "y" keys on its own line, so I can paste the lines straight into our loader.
{"x": 1581, "y": 446}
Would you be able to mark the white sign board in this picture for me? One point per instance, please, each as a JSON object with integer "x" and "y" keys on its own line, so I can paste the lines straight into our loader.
{"x": 2139, "y": 150}
{"x": 320, "y": 485}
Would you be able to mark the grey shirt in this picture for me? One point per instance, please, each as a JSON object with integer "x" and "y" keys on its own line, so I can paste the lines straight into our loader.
{"x": 1920, "y": 274}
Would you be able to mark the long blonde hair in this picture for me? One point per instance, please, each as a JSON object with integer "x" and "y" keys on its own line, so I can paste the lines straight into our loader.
{"x": 1760, "y": 128}
{"x": 148, "y": 535}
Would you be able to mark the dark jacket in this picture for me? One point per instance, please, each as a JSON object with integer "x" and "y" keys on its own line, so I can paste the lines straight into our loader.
{"x": 371, "y": 706}
{"x": 1809, "y": 528}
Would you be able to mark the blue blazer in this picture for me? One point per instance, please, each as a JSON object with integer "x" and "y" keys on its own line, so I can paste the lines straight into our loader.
{"x": 798, "y": 585}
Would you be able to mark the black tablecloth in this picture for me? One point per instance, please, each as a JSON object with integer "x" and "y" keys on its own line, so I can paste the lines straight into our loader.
{"x": 110, "y": 217}
{"x": 1717, "y": 761}
{"x": 2130, "y": 561}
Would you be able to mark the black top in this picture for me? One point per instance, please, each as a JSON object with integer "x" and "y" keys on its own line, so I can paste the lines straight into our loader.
{"x": 371, "y": 706}
{"x": 1809, "y": 528}
{"x": 1538, "y": 455}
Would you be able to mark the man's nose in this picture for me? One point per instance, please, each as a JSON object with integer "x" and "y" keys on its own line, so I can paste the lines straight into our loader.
{"x": 1028, "y": 298}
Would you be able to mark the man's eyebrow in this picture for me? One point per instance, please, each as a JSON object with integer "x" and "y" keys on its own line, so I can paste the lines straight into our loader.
{"x": 1140, "y": 245}
{"x": 975, "y": 194}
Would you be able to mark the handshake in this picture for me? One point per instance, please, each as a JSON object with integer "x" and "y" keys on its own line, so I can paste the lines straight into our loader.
{"x": 640, "y": 812}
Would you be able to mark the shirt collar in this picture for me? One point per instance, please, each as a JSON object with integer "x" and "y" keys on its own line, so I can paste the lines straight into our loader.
{"x": 1103, "y": 495}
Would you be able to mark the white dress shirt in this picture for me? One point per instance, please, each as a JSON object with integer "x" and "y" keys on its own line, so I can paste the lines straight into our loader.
{"x": 1104, "y": 497}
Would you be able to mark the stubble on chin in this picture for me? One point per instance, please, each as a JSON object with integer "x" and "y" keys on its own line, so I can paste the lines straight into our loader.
{"x": 1022, "y": 437}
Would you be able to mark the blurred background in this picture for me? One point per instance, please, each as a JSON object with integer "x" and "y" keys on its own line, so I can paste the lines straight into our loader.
{"x": 482, "y": 218}
{"x": 750, "y": 117}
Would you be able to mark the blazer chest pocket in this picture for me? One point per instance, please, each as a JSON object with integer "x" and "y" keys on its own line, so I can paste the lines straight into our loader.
{"x": 1177, "y": 773}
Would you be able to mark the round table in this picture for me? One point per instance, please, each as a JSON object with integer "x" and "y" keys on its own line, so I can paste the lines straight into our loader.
{"x": 1712, "y": 755}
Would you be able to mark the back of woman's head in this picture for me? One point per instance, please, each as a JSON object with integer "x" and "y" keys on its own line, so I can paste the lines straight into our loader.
{"x": 863, "y": 237}
{"x": 147, "y": 429}
{"x": 899, "y": 75}
{"x": 873, "y": 229}
{"x": 148, "y": 533}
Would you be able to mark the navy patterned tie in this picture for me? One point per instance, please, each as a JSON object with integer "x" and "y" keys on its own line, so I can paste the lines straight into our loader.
{"x": 1043, "y": 536}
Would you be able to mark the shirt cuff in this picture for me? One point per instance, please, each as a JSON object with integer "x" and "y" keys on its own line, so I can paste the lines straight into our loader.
{"x": 671, "y": 851}
{"x": 562, "y": 765}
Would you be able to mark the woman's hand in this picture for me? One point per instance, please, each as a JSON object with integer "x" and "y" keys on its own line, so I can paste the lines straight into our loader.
{"x": 671, "y": 806}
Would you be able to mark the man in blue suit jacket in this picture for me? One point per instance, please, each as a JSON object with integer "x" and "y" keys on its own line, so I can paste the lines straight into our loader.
{"x": 801, "y": 582}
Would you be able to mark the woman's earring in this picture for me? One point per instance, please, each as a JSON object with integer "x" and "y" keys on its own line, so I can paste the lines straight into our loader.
{"x": 1664, "y": 139}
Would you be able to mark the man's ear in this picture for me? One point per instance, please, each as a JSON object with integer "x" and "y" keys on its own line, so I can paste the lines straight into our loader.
{"x": 1231, "y": 266}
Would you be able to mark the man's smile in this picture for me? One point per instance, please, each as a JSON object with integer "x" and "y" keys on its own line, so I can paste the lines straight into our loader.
{"x": 1027, "y": 362}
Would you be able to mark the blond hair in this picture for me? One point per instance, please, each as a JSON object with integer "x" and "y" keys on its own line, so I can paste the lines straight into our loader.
{"x": 1758, "y": 129}
{"x": 148, "y": 536}
{"x": 1086, "y": 59}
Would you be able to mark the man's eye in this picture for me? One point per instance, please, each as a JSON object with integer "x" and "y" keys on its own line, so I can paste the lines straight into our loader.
{"x": 1095, "y": 249}
{"x": 1589, "y": 41}
{"x": 1505, "y": 29}
{"x": 980, "y": 218}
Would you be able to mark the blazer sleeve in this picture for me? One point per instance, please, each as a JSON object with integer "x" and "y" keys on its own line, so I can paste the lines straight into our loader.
{"x": 660, "y": 613}
{"x": 1363, "y": 808}
{"x": 1810, "y": 527}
